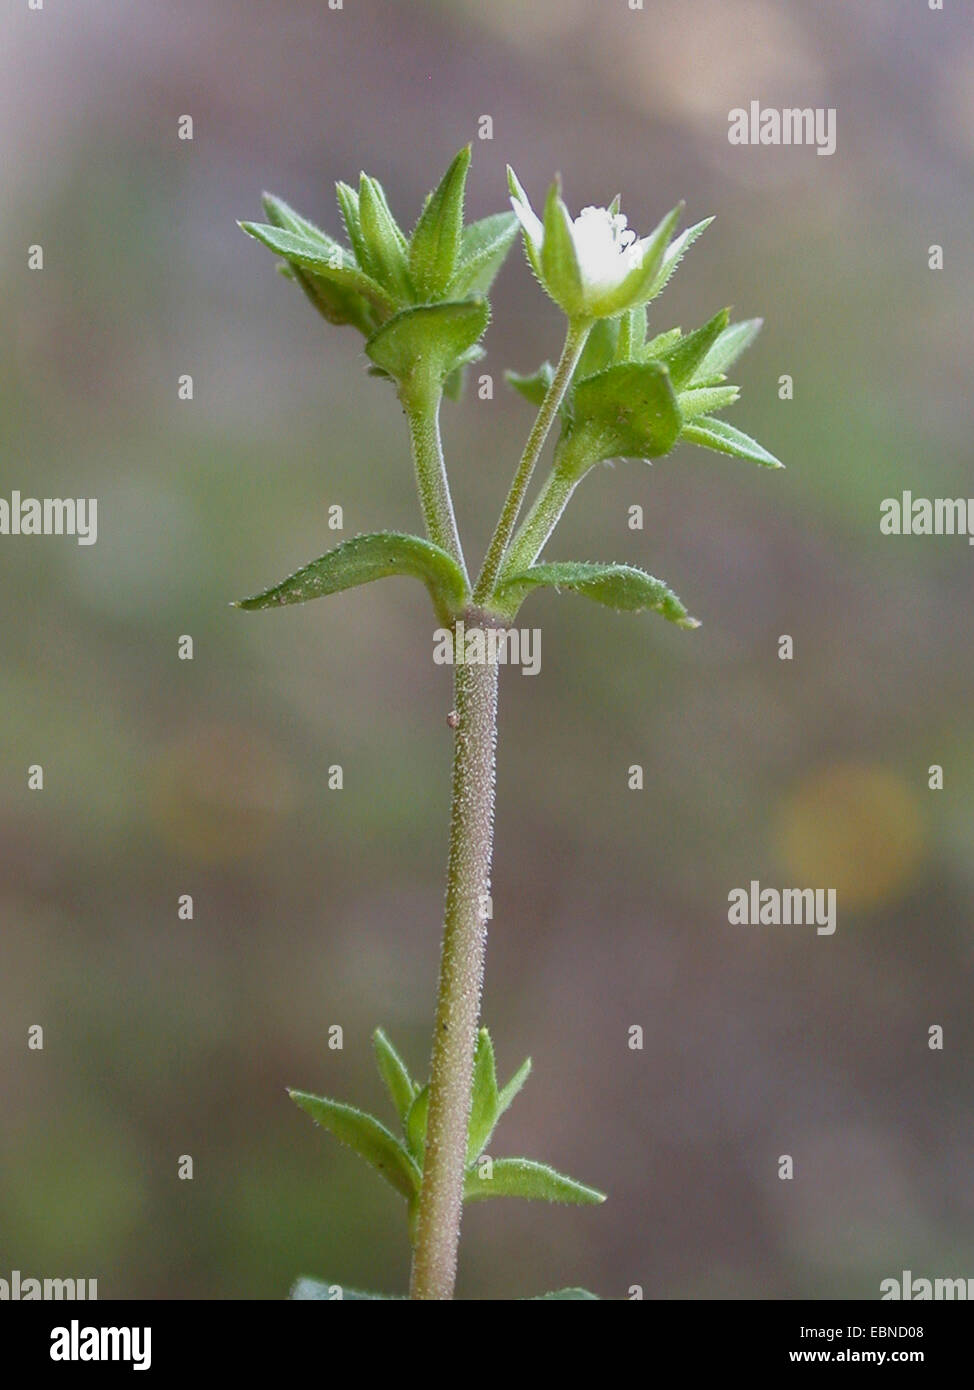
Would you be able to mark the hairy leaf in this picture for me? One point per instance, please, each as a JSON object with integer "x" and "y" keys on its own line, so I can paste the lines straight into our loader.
{"x": 483, "y": 249}
{"x": 318, "y": 1291}
{"x": 365, "y": 558}
{"x": 383, "y": 244}
{"x": 400, "y": 1085}
{"x": 523, "y": 1177}
{"x": 533, "y": 388}
{"x": 701, "y": 400}
{"x": 617, "y": 586}
{"x": 728, "y": 348}
{"x": 629, "y": 410}
{"x": 367, "y": 1137}
{"x": 435, "y": 243}
{"x": 483, "y": 1111}
{"x": 333, "y": 266}
{"x": 684, "y": 357}
{"x": 674, "y": 254}
{"x": 416, "y": 1124}
{"x": 575, "y": 1295}
{"x": 725, "y": 439}
{"x": 432, "y": 338}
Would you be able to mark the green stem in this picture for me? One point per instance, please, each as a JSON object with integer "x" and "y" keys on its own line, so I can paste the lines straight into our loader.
{"x": 461, "y": 979}
{"x": 421, "y": 402}
{"x": 578, "y": 331}
{"x": 542, "y": 518}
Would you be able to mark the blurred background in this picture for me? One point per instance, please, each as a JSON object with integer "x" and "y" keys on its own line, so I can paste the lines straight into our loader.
{"x": 314, "y": 908}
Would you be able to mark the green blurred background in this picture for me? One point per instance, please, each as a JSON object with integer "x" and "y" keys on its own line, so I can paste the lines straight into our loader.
{"x": 314, "y": 907}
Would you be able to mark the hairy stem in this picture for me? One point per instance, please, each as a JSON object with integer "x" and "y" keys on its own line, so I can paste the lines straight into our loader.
{"x": 461, "y": 979}
{"x": 421, "y": 402}
{"x": 578, "y": 331}
{"x": 542, "y": 518}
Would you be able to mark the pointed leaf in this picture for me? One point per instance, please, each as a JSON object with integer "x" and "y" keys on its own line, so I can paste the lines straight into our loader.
{"x": 400, "y": 1085}
{"x": 416, "y": 1124}
{"x": 685, "y": 357}
{"x": 632, "y": 335}
{"x": 674, "y": 254}
{"x": 701, "y": 400}
{"x": 523, "y": 1177}
{"x": 383, "y": 244}
{"x": 483, "y": 249}
{"x": 725, "y": 439}
{"x": 365, "y": 558}
{"x": 348, "y": 204}
{"x": 367, "y": 1137}
{"x": 431, "y": 338}
{"x": 435, "y": 243}
{"x": 282, "y": 215}
{"x": 629, "y": 410}
{"x": 335, "y": 266}
{"x": 533, "y": 388}
{"x": 318, "y": 1291}
{"x": 513, "y": 1087}
{"x": 728, "y": 348}
{"x": 621, "y": 587}
{"x": 658, "y": 347}
{"x": 483, "y": 1110}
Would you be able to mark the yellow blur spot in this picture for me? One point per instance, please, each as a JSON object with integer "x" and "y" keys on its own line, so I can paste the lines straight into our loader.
{"x": 855, "y": 828}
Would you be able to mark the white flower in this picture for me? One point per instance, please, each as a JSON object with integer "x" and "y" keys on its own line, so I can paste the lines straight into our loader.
{"x": 599, "y": 268}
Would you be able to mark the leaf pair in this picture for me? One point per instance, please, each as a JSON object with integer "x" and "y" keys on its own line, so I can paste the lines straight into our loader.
{"x": 400, "y": 1159}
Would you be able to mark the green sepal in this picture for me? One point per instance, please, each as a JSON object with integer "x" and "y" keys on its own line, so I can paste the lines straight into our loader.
{"x": 685, "y": 356}
{"x": 431, "y": 340}
{"x": 384, "y": 248}
{"x": 674, "y": 254}
{"x": 395, "y": 1075}
{"x": 727, "y": 349}
{"x": 435, "y": 244}
{"x": 306, "y": 1290}
{"x": 365, "y": 1136}
{"x": 559, "y": 264}
{"x": 623, "y": 587}
{"x": 365, "y": 558}
{"x": 629, "y": 410}
{"x": 483, "y": 249}
{"x": 530, "y": 249}
{"x": 725, "y": 439}
{"x": 533, "y": 388}
{"x": 523, "y": 1177}
{"x": 701, "y": 400}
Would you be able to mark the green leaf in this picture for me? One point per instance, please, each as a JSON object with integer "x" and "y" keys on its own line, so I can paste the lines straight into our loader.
{"x": 433, "y": 339}
{"x": 367, "y": 1137}
{"x": 674, "y": 254}
{"x": 621, "y": 587}
{"x": 283, "y": 216}
{"x": 416, "y": 1124}
{"x": 318, "y": 1291}
{"x": 684, "y": 357}
{"x": 400, "y": 1085}
{"x": 348, "y": 204}
{"x": 523, "y": 1177}
{"x": 365, "y": 558}
{"x": 559, "y": 264}
{"x": 533, "y": 388}
{"x": 628, "y": 410}
{"x": 632, "y": 335}
{"x": 727, "y": 349}
{"x": 576, "y": 1295}
{"x": 483, "y": 249}
{"x": 513, "y": 1087}
{"x": 658, "y": 347}
{"x": 435, "y": 243}
{"x": 725, "y": 439}
{"x": 383, "y": 244}
{"x": 483, "y": 1110}
{"x": 334, "y": 267}
{"x": 701, "y": 400}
